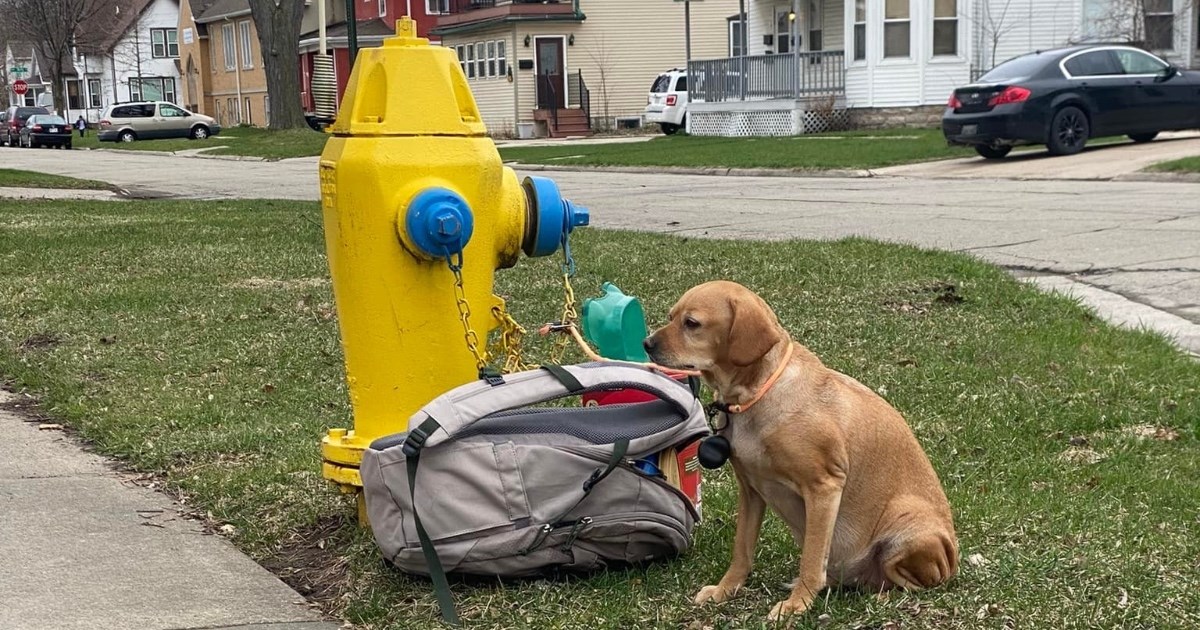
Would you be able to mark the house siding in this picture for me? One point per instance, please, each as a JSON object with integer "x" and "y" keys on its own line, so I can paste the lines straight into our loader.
{"x": 1008, "y": 28}
{"x": 615, "y": 35}
{"x": 196, "y": 82}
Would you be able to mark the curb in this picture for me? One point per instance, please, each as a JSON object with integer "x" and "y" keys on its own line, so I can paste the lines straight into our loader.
{"x": 1150, "y": 176}
{"x": 689, "y": 170}
{"x": 191, "y": 153}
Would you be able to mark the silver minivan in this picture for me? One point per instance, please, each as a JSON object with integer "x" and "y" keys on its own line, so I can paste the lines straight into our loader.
{"x": 147, "y": 120}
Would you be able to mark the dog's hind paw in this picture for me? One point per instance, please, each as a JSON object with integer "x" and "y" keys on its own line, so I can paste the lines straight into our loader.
{"x": 714, "y": 594}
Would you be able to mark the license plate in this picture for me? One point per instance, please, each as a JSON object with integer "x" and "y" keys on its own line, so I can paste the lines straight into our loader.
{"x": 970, "y": 130}
{"x": 54, "y": 130}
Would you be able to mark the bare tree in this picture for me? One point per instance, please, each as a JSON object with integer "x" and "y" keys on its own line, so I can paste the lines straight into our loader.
{"x": 601, "y": 57}
{"x": 56, "y": 27}
{"x": 995, "y": 25}
{"x": 278, "y": 25}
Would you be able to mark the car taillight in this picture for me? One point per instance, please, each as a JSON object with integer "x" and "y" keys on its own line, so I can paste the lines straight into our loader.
{"x": 1011, "y": 94}
{"x": 954, "y": 102}
{"x": 105, "y": 123}
{"x": 671, "y": 99}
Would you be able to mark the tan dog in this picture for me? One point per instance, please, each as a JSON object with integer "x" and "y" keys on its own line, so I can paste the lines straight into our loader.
{"x": 829, "y": 456}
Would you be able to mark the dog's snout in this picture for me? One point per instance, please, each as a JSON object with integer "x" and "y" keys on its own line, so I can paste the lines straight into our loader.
{"x": 649, "y": 344}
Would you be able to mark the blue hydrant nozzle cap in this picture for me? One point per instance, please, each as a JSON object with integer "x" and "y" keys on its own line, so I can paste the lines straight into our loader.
{"x": 550, "y": 217}
{"x": 439, "y": 221}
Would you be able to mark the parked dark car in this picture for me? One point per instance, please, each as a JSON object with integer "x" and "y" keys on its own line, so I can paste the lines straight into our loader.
{"x": 45, "y": 130}
{"x": 1061, "y": 98}
{"x": 14, "y": 119}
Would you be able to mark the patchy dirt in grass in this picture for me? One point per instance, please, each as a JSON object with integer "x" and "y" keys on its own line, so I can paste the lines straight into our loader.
{"x": 41, "y": 341}
{"x": 274, "y": 283}
{"x": 922, "y": 299}
{"x": 311, "y": 561}
{"x": 1151, "y": 432}
{"x": 1081, "y": 455}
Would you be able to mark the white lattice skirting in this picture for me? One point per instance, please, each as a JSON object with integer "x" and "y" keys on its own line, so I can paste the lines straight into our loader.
{"x": 737, "y": 120}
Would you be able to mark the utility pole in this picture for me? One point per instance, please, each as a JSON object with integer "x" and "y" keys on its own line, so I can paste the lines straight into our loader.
{"x": 351, "y": 31}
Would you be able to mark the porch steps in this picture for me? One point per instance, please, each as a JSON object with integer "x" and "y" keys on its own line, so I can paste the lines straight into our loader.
{"x": 571, "y": 122}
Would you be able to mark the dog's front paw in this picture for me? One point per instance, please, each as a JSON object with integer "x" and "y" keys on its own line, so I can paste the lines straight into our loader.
{"x": 787, "y": 608}
{"x": 714, "y": 594}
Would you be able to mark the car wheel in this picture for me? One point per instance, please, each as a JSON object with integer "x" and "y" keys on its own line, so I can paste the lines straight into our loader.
{"x": 993, "y": 152}
{"x": 668, "y": 128}
{"x": 127, "y": 136}
{"x": 1069, "y": 131}
{"x": 1143, "y": 137}
{"x": 199, "y": 132}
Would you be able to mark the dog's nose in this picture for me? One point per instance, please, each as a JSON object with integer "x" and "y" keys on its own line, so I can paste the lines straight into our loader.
{"x": 649, "y": 344}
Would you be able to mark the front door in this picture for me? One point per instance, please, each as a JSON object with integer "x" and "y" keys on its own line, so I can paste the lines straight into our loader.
{"x": 551, "y": 73}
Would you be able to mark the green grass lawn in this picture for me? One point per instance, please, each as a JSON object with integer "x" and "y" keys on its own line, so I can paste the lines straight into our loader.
{"x": 251, "y": 141}
{"x": 851, "y": 149}
{"x": 14, "y": 178}
{"x": 197, "y": 341}
{"x": 1185, "y": 165}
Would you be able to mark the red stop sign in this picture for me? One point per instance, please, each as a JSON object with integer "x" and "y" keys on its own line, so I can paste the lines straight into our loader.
{"x": 20, "y": 87}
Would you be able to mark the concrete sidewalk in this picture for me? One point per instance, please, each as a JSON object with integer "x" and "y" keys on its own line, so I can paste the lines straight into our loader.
{"x": 83, "y": 549}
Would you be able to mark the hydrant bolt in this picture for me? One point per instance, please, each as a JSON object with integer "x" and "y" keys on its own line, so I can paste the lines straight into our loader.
{"x": 448, "y": 225}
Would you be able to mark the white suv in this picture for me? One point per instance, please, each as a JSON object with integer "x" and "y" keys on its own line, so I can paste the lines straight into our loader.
{"x": 668, "y": 101}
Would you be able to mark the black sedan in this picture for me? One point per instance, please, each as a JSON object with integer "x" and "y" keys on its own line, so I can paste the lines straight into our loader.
{"x": 1061, "y": 98}
{"x": 46, "y": 130}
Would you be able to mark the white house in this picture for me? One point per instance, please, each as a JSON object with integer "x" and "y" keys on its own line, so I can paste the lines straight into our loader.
{"x": 135, "y": 60}
{"x": 810, "y": 62}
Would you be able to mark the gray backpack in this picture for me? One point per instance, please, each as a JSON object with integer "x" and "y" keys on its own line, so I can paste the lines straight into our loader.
{"x": 506, "y": 489}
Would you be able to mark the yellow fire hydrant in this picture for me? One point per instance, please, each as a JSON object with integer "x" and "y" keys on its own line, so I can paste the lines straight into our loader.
{"x": 415, "y": 197}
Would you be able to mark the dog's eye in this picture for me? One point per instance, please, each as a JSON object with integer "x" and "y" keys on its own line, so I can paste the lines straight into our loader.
{"x": 691, "y": 324}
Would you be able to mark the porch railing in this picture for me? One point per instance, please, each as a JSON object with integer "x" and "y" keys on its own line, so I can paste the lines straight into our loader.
{"x": 584, "y": 95}
{"x": 547, "y": 96}
{"x": 766, "y": 77}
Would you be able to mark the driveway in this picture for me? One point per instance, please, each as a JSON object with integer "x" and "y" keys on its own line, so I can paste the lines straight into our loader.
{"x": 1101, "y": 162}
{"x": 1138, "y": 239}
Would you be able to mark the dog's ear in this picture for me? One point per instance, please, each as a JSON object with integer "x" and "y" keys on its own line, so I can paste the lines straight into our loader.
{"x": 753, "y": 330}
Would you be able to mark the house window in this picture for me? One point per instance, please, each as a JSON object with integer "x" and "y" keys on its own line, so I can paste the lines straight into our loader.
{"x": 945, "y": 27}
{"x": 470, "y": 61}
{"x": 491, "y": 57}
{"x": 233, "y": 111}
{"x": 267, "y": 109}
{"x": 437, "y": 7}
{"x": 462, "y": 57}
{"x": 247, "y": 47}
{"x": 481, "y": 59}
{"x": 152, "y": 89}
{"x": 230, "y": 47}
{"x": 93, "y": 86}
{"x": 164, "y": 43}
{"x": 74, "y": 96}
{"x": 212, "y": 52}
{"x": 501, "y": 58}
{"x": 1160, "y": 24}
{"x": 815, "y": 18}
{"x": 382, "y": 8}
{"x": 897, "y": 29}
{"x": 217, "y": 111}
{"x": 737, "y": 35}
{"x": 860, "y": 29}
{"x": 249, "y": 112}
{"x": 783, "y": 31}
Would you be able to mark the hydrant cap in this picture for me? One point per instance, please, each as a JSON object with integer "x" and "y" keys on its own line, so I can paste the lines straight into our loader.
{"x": 550, "y": 216}
{"x": 439, "y": 221}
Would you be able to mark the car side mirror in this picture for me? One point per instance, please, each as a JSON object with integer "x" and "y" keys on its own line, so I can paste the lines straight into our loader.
{"x": 1167, "y": 74}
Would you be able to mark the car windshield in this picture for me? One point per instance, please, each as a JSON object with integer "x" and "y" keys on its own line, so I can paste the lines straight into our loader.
{"x": 661, "y": 84}
{"x": 51, "y": 120}
{"x": 1014, "y": 69}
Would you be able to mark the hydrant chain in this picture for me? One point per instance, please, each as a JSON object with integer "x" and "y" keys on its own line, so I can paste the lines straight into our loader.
{"x": 464, "y": 314}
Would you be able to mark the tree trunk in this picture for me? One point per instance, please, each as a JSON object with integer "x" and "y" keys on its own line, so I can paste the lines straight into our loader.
{"x": 278, "y": 25}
